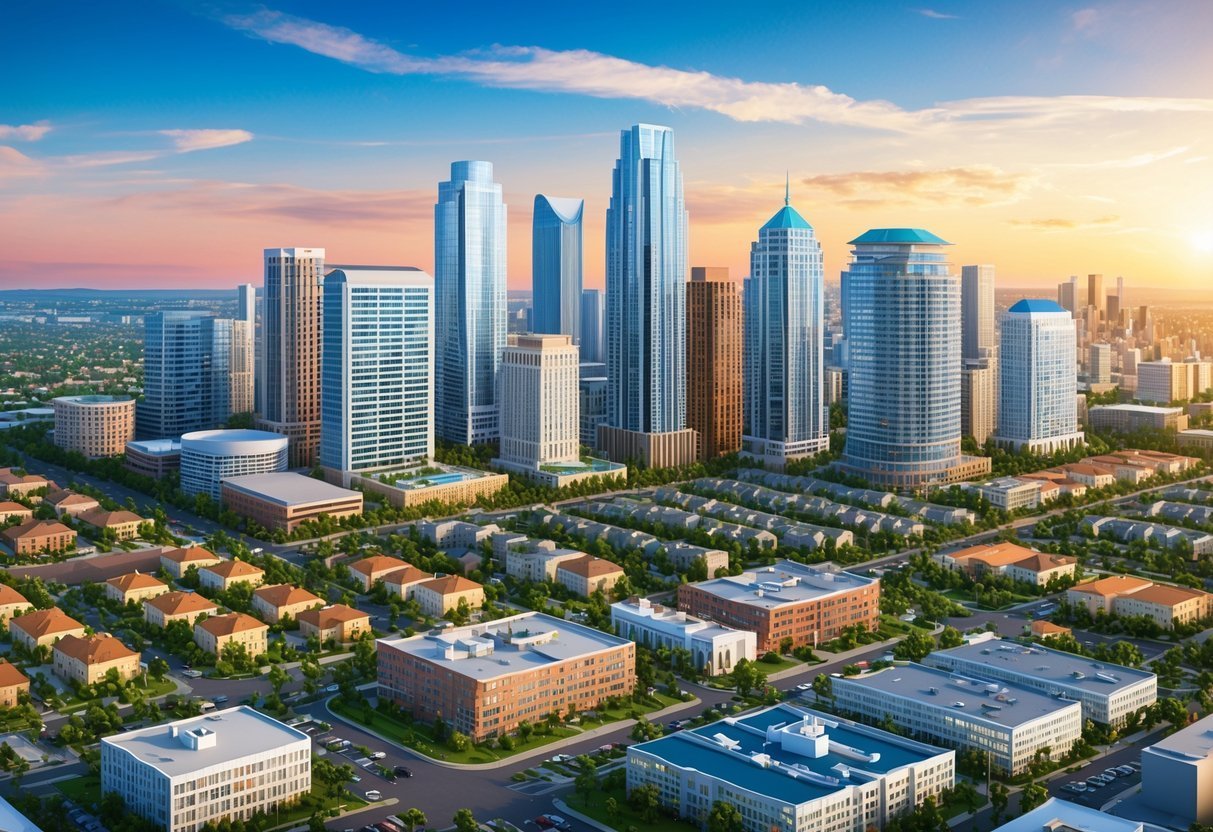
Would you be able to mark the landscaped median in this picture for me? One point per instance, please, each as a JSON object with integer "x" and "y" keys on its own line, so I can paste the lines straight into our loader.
{"x": 424, "y": 738}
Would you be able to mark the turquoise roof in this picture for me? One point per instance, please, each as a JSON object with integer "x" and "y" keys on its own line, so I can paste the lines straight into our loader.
{"x": 899, "y": 235}
{"x": 1035, "y": 305}
{"x": 787, "y": 217}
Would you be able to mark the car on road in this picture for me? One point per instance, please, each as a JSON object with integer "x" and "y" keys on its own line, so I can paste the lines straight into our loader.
{"x": 332, "y": 688}
{"x": 403, "y": 771}
{"x": 355, "y": 778}
{"x": 553, "y": 822}
{"x": 805, "y": 686}
{"x": 378, "y": 755}
{"x": 192, "y": 674}
{"x": 1077, "y": 786}
{"x": 220, "y": 700}
{"x": 374, "y": 795}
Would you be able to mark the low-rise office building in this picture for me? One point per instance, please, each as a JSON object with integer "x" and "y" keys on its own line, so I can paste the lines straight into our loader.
{"x": 284, "y": 500}
{"x": 530, "y": 560}
{"x": 87, "y": 660}
{"x": 714, "y": 649}
{"x": 1126, "y": 595}
{"x": 809, "y": 604}
{"x": 1127, "y": 418}
{"x": 177, "y": 562}
{"x": 485, "y": 679}
{"x": 122, "y": 524}
{"x": 211, "y": 456}
{"x": 274, "y": 602}
{"x": 232, "y": 764}
{"x": 1200, "y": 441}
{"x": 42, "y": 628}
{"x": 453, "y": 535}
{"x": 1010, "y": 493}
{"x": 441, "y": 594}
{"x": 39, "y": 537}
{"x": 683, "y": 555}
{"x": 12, "y": 604}
{"x": 218, "y": 631}
{"x": 1062, "y": 816}
{"x": 789, "y": 768}
{"x": 587, "y": 574}
{"x": 1010, "y": 560}
{"x": 134, "y": 587}
{"x": 71, "y": 504}
{"x": 176, "y": 606}
{"x": 337, "y": 622}
{"x": 225, "y": 574}
{"x": 1177, "y": 773}
{"x": 1010, "y": 722}
{"x": 155, "y": 458}
{"x": 13, "y": 685}
{"x": 1107, "y": 692}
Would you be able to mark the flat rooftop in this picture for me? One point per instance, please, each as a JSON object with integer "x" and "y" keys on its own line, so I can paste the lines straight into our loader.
{"x": 288, "y": 489}
{"x": 1047, "y": 665}
{"x": 787, "y": 582}
{"x": 723, "y": 749}
{"x": 517, "y": 644}
{"x": 998, "y": 703}
{"x": 1064, "y": 816}
{"x": 1194, "y": 743}
{"x": 156, "y": 446}
{"x": 238, "y": 731}
{"x": 1155, "y": 410}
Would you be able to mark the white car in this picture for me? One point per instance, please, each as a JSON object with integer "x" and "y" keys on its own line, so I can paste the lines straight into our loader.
{"x": 805, "y": 686}
{"x": 378, "y": 755}
{"x": 332, "y": 688}
{"x": 374, "y": 795}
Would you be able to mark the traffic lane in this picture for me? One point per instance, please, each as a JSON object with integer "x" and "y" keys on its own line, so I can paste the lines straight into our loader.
{"x": 1149, "y": 649}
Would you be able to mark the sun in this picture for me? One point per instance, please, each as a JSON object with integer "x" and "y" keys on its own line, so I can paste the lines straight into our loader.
{"x": 1202, "y": 241}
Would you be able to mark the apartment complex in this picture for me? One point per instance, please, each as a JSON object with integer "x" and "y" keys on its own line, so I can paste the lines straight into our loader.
{"x": 485, "y": 679}
{"x": 95, "y": 426}
{"x": 1011, "y": 560}
{"x": 714, "y": 649}
{"x": 1107, "y": 692}
{"x": 177, "y": 562}
{"x": 42, "y": 628}
{"x": 87, "y": 660}
{"x": 789, "y": 768}
{"x": 283, "y": 501}
{"x": 17, "y": 483}
{"x": 122, "y": 524}
{"x": 176, "y": 606}
{"x": 714, "y": 361}
{"x": 585, "y": 575}
{"x": 374, "y": 568}
{"x": 13, "y": 683}
{"x": 34, "y": 537}
{"x": 134, "y": 587}
{"x": 442, "y": 593}
{"x": 1126, "y": 595}
{"x": 809, "y": 604}
{"x": 232, "y": 764}
{"x": 12, "y": 603}
{"x": 1008, "y": 721}
{"x": 274, "y": 602}
{"x": 337, "y": 622}
{"x": 217, "y": 632}
{"x": 223, "y": 575}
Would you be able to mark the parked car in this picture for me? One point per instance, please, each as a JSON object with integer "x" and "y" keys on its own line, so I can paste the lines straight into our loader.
{"x": 1126, "y": 770}
{"x": 378, "y": 755}
{"x": 374, "y": 795}
{"x": 220, "y": 700}
{"x": 403, "y": 771}
{"x": 1095, "y": 782}
{"x": 1077, "y": 786}
{"x": 805, "y": 686}
{"x": 1113, "y": 773}
{"x": 554, "y": 822}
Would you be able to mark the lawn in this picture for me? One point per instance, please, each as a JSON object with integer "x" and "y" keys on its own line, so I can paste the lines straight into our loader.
{"x": 648, "y": 705}
{"x": 784, "y": 663}
{"x": 421, "y": 738}
{"x": 626, "y": 817}
{"x": 85, "y": 791}
{"x": 312, "y": 803}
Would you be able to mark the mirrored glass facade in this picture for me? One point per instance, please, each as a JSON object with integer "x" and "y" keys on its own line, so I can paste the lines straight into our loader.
{"x": 556, "y": 266}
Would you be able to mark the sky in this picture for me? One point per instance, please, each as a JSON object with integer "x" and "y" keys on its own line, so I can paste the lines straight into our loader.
{"x": 166, "y": 144}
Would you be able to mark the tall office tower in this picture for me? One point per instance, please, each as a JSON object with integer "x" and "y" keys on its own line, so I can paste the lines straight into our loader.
{"x": 593, "y": 307}
{"x": 1095, "y": 293}
{"x": 785, "y": 415}
{"x": 540, "y": 406}
{"x": 1039, "y": 385}
{"x": 1067, "y": 295}
{"x": 977, "y": 311}
{"x": 646, "y": 276}
{"x": 1120, "y": 292}
{"x": 378, "y": 360}
{"x": 978, "y": 395}
{"x": 1099, "y": 365}
{"x": 244, "y": 350}
{"x": 471, "y": 310}
{"x": 1130, "y": 357}
{"x": 1113, "y": 315}
{"x": 592, "y": 389}
{"x": 290, "y": 354}
{"x": 714, "y": 367}
{"x": 186, "y": 363}
{"x": 903, "y": 334}
{"x": 246, "y": 302}
{"x": 556, "y": 266}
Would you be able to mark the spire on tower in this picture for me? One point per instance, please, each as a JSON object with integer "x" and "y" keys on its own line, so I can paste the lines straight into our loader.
{"x": 787, "y": 188}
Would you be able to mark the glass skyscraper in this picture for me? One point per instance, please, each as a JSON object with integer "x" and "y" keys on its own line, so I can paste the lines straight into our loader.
{"x": 186, "y": 364}
{"x": 378, "y": 359}
{"x": 785, "y": 417}
{"x": 592, "y": 321}
{"x": 470, "y": 311}
{"x": 903, "y": 335}
{"x": 646, "y": 242}
{"x": 1038, "y": 378}
{"x": 556, "y": 266}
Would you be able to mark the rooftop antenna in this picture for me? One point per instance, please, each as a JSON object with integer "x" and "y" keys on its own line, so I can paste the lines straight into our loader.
{"x": 787, "y": 188}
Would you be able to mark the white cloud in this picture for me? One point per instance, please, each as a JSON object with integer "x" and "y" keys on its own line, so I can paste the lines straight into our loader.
{"x": 185, "y": 141}
{"x": 1084, "y": 19}
{"x": 14, "y": 163}
{"x": 25, "y": 132}
{"x": 937, "y": 15}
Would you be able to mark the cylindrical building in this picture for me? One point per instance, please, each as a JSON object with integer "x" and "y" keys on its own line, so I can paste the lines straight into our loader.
{"x": 208, "y": 456}
{"x": 95, "y": 426}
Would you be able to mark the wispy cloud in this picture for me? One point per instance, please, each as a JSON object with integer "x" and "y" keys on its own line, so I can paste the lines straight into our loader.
{"x": 937, "y": 15}
{"x": 594, "y": 74}
{"x": 15, "y": 164}
{"x": 1084, "y": 19}
{"x": 24, "y": 132}
{"x": 1139, "y": 160}
{"x": 1065, "y": 224}
{"x": 186, "y": 141}
{"x": 970, "y": 185}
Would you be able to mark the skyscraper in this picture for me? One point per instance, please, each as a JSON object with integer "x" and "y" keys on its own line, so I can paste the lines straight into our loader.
{"x": 540, "y": 409}
{"x": 646, "y": 242}
{"x": 593, "y": 307}
{"x": 556, "y": 266}
{"x": 186, "y": 366}
{"x": 1095, "y": 292}
{"x": 977, "y": 311}
{"x": 1067, "y": 294}
{"x": 246, "y": 302}
{"x": 1038, "y": 380}
{"x": 244, "y": 353}
{"x": 714, "y": 368}
{"x": 903, "y": 333}
{"x": 785, "y": 417}
{"x": 378, "y": 390}
{"x": 1099, "y": 369}
{"x": 470, "y": 311}
{"x": 290, "y": 355}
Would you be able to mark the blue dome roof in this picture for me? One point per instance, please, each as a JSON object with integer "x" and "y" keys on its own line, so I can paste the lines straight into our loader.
{"x": 1036, "y": 305}
{"x": 906, "y": 236}
{"x": 787, "y": 217}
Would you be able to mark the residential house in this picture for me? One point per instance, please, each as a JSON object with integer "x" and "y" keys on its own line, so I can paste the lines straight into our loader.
{"x": 87, "y": 660}
{"x": 337, "y": 622}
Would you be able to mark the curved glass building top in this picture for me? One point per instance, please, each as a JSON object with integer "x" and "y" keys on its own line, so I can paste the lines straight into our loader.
{"x": 646, "y": 240}
{"x": 903, "y": 330}
{"x": 556, "y": 266}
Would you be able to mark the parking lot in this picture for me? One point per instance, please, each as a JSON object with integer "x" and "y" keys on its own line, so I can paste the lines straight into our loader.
{"x": 1096, "y": 796}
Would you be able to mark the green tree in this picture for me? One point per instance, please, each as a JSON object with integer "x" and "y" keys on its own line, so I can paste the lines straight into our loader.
{"x": 998, "y": 799}
{"x": 647, "y": 801}
{"x": 465, "y": 821}
{"x": 587, "y": 778}
{"x": 950, "y": 637}
{"x": 277, "y": 678}
{"x": 157, "y": 667}
{"x": 914, "y": 647}
{"x": 748, "y": 677}
{"x": 413, "y": 818}
{"x": 823, "y": 687}
{"x": 725, "y": 817}
{"x": 1032, "y": 796}
{"x": 315, "y": 823}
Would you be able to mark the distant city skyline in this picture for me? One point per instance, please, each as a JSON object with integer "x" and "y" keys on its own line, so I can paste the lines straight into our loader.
{"x": 1046, "y": 140}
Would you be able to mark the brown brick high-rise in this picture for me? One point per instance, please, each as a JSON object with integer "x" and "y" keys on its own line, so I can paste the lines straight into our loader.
{"x": 714, "y": 367}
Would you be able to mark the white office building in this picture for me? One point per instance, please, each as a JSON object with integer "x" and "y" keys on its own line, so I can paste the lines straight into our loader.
{"x": 540, "y": 407}
{"x": 377, "y": 397}
{"x": 1062, "y": 816}
{"x": 1038, "y": 406}
{"x": 793, "y": 770}
{"x": 1107, "y": 692}
{"x": 1099, "y": 366}
{"x": 714, "y": 648}
{"x": 231, "y": 764}
{"x": 1009, "y": 722}
{"x": 208, "y": 456}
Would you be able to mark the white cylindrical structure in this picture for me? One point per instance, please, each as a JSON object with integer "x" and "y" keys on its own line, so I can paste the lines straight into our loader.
{"x": 208, "y": 456}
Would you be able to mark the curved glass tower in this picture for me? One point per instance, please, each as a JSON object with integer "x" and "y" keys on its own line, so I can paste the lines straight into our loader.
{"x": 556, "y": 266}
{"x": 903, "y": 331}
{"x": 470, "y": 305}
{"x": 784, "y": 413}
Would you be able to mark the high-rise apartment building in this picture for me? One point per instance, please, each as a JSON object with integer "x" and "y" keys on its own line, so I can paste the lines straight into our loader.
{"x": 186, "y": 363}
{"x": 903, "y": 334}
{"x": 246, "y": 302}
{"x": 646, "y": 242}
{"x": 470, "y": 312}
{"x": 1096, "y": 294}
{"x": 556, "y": 266}
{"x": 977, "y": 312}
{"x": 378, "y": 361}
{"x": 290, "y": 354}
{"x": 1038, "y": 378}
{"x": 593, "y": 319}
{"x": 1165, "y": 381}
{"x": 978, "y": 394}
{"x": 785, "y": 415}
{"x": 714, "y": 374}
{"x": 1099, "y": 366}
{"x": 1067, "y": 294}
{"x": 540, "y": 413}
{"x": 243, "y": 383}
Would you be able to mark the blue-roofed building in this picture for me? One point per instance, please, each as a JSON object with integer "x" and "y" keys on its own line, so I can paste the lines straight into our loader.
{"x": 1038, "y": 378}
{"x": 790, "y": 768}
{"x": 1063, "y": 816}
